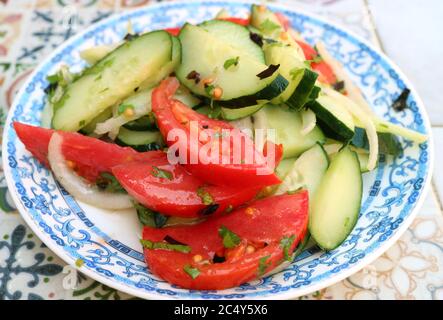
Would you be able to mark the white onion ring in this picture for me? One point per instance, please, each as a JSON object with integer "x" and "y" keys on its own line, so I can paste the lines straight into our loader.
{"x": 76, "y": 186}
{"x": 309, "y": 120}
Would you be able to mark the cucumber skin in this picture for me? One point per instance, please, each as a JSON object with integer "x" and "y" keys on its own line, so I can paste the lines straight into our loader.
{"x": 300, "y": 97}
{"x": 330, "y": 124}
{"x": 388, "y": 143}
{"x": 357, "y": 211}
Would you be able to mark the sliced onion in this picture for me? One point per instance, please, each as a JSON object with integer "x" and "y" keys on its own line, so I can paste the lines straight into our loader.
{"x": 76, "y": 186}
{"x": 308, "y": 120}
{"x": 332, "y": 148}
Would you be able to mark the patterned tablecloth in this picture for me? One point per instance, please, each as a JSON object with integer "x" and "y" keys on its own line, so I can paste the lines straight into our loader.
{"x": 31, "y": 29}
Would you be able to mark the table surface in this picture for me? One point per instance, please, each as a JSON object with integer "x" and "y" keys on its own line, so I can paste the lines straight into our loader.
{"x": 411, "y": 269}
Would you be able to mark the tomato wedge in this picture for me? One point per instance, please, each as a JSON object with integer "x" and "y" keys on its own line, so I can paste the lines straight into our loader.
{"x": 171, "y": 190}
{"x": 326, "y": 74}
{"x": 267, "y": 232}
{"x": 89, "y": 156}
{"x": 240, "y": 21}
{"x": 210, "y": 149}
{"x": 173, "y": 31}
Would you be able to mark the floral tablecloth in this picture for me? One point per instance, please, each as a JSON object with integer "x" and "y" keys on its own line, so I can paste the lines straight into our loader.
{"x": 30, "y": 29}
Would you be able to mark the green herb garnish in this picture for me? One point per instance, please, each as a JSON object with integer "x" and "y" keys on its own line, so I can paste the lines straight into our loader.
{"x": 147, "y": 244}
{"x": 209, "y": 89}
{"x": 231, "y": 62}
{"x": 317, "y": 59}
{"x": 286, "y": 244}
{"x": 107, "y": 182}
{"x": 230, "y": 239}
{"x": 205, "y": 196}
{"x": 268, "y": 26}
{"x": 123, "y": 107}
{"x": 160, "y": 173}
{"x": 193, "y": 272}
{"x": 150, "y": 218}
{"x": 263, "y": 265}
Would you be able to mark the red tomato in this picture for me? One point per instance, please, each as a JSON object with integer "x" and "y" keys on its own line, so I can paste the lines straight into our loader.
{"x": 171, "y": 190}
{"x": 261, "y": 227}
{"x": 90, "y": 156}
{"x": 173, "y": 31}
{"x": 194, "y": 133}
{"x": 240, "y": 21}
{"x": 326, "y": 74}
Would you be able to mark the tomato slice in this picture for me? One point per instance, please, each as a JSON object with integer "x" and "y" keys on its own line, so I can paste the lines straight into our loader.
{"x": 173, "y": 31}
{"x": 261, "y": 226}
{"x": 240, "y": 21}
{"x": 171, "y": 190}
{"x": 210, "y": 149}
{"x": 326, "y": 74}
{"x": 89, "y": 156}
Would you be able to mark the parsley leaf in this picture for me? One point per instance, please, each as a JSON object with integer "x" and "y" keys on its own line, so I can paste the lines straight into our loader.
{"x": 193, "y": 272}
{"x": 123, "y": 107}
{"x": 209, "y": 89}
{"x": 268, "y": 26}
{"x": 107, "y": 182}
{"x": 230, "y": 239}
{"x": 205, "y": 196}
{"x": 286, "y": 244}
{"x": 231, "y": 62}
{"x": 150, "y": 218}
{"x": 147, "y": 244}
{"x": 263, "y": 265}
{"x": 160, "y": 173}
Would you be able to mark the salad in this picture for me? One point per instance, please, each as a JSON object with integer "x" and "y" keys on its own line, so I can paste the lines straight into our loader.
{"x": 235, "y": 141}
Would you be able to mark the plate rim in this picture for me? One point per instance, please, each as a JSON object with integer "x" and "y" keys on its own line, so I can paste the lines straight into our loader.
{"x": 368, "y": 259}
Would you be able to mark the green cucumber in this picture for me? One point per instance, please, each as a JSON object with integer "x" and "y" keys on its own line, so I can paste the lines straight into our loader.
{"x": 234, "y": 114}
{"x": 307, "y": 171}
{"x": 333, "y": 118}
{"x": 388, "y": 127}
{"x": 336, "y": 204}
{"x": 206, "y": 55}
{"x": 305, "y": 90}
{"x": 139, "y": 140}
{"x": 284, "y": 167}
{"x": 102, "y": 117}
{"x": 112, "y": 79}
{"x": 142, "y": 124}
{"x": 235, "y": 35}
{"x": 387, "y": 142}
{"x": 288, "y": 127}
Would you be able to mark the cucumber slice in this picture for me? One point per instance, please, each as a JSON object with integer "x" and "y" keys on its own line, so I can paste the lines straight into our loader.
{"x": 333, "y": 118}
{"x": 284, "y": 167}
{"x": 266, "y": 21}
{"x": 94, "y": 54}
{"x": 142, "y": 124}
{"x": 336, "y": 205}
{"x": 294, "y": 70}
{"x": 112, "y": 79}
{"x": 307, "y": 172}
{"x": 206, "y": 55}
{"x": 387, "y": 142}
{"x": 234, "y": 114}
{"x": 139, "y": 140}
{"x": 288, "y": 126}
{"x": 235, "y": 35}
{"x": 388, "y": 127}
{"x": 102, "y": 117}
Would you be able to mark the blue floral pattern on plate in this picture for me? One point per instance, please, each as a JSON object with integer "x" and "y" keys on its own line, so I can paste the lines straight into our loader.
{"x": 392, "y": 193}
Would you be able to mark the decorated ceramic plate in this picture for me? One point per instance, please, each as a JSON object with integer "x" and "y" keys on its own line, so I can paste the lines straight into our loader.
{"x": 108, "y": 242}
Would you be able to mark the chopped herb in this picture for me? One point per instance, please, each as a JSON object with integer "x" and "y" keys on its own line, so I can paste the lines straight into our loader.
{"x": 268, "y": 26}
{"x": 209, "y": 89}
{"x": 171, "y": 240}
{"x": 339, "y": 86}
{"x": 400, "y": 103}
{"x": 160, "y": 173}
{"x": 263, "y": 265}
{"x": 296, "y": 72}
{"x": 229, "y": 208}
{"x": 81, "y": 123}
{"x": 150, "y": 218}
{"x": 147, "y": 244}
{"x": 269, "y": 71}
{"x": 107, "y": 182}
{"x": 205, "y": 196}
{"x": 294, "y": 191}
{"x": 286, "y": 244}
{"x": 131, "y": 36}
{"x": 53, "y": 78}
{"x": 210, "y": 209}
{"x": 123, "y": 107}
{"x": 79, "y": 263}
{"x": 256, "y": 38}
{"x": 317, "y": 59}
{"x": 231, "y": 62}
{"x": 193, "y": 272}
{"x": 230, "y": 239}
{"x": 194, "y": 75}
